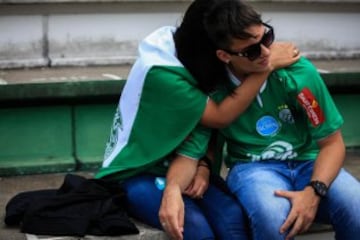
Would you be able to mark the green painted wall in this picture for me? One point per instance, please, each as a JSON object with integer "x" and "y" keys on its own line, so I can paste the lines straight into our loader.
{"x": 92, "y": 129}
{"x": 64, "y": 126}
{"x": 348, "y": 105}
{"x": 35, "y": 140}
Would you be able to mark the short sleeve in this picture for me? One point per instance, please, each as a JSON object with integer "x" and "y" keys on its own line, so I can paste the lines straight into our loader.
{"x": 311, "y": 96}
{"x": 195, "y": 145}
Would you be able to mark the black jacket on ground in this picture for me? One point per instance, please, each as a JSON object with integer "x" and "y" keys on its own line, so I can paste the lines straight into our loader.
{"x": 79, "y": 207}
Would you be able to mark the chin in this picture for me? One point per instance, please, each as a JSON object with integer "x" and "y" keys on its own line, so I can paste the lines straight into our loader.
{"x": 265, "y": 63}
{"x": 261, "y": 69}
{"x": 262, "y": 66}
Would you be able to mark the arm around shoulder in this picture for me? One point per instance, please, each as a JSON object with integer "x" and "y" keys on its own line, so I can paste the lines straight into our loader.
{"x": 220, "y": 115}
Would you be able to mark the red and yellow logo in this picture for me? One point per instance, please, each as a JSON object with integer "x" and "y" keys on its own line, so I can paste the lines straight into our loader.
{"x": 308, "y": 101}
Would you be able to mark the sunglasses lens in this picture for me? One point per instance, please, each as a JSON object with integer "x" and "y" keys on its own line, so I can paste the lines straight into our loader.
{"x": 268, "y": 38}
{"x": 254, "y": 52}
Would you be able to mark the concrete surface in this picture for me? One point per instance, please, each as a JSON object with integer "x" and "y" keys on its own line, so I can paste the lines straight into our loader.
{"x": 10, "y": 186}
{"x": 116, "y": 72}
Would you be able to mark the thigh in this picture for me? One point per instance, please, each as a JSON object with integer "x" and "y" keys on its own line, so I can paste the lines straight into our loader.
{"x": 223, "y": 212}
{"x": 143, "y": 199}
{"x": 196, "y": 225}
{"x": 143, "y": 203}
{"x": 341, "y": 206}
{"x": 254, "y": 186}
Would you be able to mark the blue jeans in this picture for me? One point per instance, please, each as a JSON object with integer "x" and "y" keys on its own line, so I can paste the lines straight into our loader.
{"x": 254, "y": 185}
{"x": 216, "y": 216}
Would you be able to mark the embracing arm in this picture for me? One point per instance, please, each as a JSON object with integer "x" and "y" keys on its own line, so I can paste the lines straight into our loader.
{"x": 187, "y": 176}
{"x": 219, "y": 115}
{"x": 222, "y": 114}
{"x": 171, "y": 214}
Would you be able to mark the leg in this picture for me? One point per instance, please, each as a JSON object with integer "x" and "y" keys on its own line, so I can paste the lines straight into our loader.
{"x": 196, "y": 226}
{"x": 143, "y": 199}
{"x": 224, "y": 213}
{"x": 341, "y": 205}
{"x": 143, "y": 203}
{"x": 254, "y": 185}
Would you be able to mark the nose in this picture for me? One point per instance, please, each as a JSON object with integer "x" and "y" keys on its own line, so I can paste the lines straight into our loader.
{"x": 265, "y": 51}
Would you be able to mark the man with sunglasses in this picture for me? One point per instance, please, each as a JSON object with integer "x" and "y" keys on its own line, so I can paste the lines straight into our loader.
{"x": 286, "y": 151}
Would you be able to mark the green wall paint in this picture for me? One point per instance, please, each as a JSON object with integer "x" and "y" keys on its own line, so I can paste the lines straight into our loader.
{"x": 92, "y": 129}
{"x": 36, "y": 138}
{"x": 348, "y": 106}
{"x": 67, "y": 127}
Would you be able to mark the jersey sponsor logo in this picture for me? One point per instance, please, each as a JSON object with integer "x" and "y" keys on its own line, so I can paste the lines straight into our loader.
{"x": 267, "y": 126}
{"x": 278, "y": 150}
{"x": 308, "y": 101}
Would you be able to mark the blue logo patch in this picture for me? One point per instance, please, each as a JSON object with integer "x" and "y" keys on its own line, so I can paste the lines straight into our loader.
{"x": 267, "y": 126}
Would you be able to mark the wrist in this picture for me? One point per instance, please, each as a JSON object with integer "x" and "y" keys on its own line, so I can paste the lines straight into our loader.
{"x": 319, "y": 188}
{"x": 203, "y": 170}
{"x": 172, "y": 187}
{"x": 205, "y": 162}
{"x": 203, "y": 165}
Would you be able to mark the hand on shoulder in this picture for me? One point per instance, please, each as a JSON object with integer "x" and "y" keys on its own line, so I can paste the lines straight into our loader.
{"x": 283, "y": 54}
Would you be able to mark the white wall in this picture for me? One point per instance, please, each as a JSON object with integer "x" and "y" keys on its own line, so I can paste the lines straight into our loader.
{"x": 83, "y": 32}
{"x": 319, "y": 34}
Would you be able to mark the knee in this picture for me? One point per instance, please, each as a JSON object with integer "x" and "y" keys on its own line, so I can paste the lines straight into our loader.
{"x": 196, "y": 226}
{"x": 267, "y": 218}
{"x": 343, "y": 204}
{"x": 272, "y": 210}
{"x": 267, "y": 225}
{"x": 198, "y": 229}
{"x": 139, "y": 187}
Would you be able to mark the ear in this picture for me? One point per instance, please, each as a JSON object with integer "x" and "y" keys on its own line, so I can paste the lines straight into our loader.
{"x": 223, "y": 56}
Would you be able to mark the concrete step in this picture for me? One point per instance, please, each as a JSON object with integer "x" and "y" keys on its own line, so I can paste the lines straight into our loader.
{"x": 119, "y": 72}
{"x": 146, "y": 233}
{"x": 10, "y": 186}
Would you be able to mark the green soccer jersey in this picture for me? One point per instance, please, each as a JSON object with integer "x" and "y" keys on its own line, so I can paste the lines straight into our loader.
{"x": 292, "y": 111}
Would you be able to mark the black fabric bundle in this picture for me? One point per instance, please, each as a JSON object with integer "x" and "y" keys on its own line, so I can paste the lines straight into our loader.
{"x": 79, "y": 207}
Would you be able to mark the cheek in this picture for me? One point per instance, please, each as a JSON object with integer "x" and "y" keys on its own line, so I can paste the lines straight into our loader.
{"x": 246, "y": 66}
{"x": 242, "y": 64}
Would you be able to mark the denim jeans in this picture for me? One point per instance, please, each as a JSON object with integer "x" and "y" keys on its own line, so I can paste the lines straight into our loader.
{"x": 254, "y": 185}
{"x": 217, "y": 215}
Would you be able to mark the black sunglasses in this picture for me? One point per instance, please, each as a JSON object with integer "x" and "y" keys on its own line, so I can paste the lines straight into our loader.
{"x": 254, "y": 51}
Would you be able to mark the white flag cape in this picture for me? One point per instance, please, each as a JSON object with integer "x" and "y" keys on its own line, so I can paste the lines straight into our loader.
{"x": 159, "y": 106}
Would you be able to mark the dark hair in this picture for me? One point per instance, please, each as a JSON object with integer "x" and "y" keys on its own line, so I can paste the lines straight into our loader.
{"x": 195, "y": 49}
{"x": 207, "y": 26}
{"x": 227, "y": 20}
